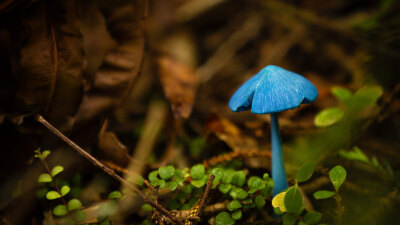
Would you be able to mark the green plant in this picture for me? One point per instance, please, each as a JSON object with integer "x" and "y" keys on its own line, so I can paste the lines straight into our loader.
{"x": 358, "y": 155}
{"x": 350, "y": 104}
{"x": 290, "y": 203}
{"x": 190, "y": 190}
{"x": 337, "y": 176}
{"x": 71, "y": 207}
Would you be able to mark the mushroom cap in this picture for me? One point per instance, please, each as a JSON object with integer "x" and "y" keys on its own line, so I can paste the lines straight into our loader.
{"x": 271, "y": 90}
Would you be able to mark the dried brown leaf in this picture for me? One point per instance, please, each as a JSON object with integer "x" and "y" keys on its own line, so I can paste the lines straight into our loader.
{"x": 39, "y": 57}
{"x": 179, "y": 84}
{"x": 52, "y": 59}
{"x": 111, "y": 148}
{"x": 228, "y": 132}
{"x": 111, "y": 84}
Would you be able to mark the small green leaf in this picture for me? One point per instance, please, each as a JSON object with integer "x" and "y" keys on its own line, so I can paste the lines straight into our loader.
{"x": 45, "y": 154}
{"x": 288, "y": 219}
{"x": 293, "y": 200}
{"x": 44, "y": 178}
{"x": 323, "y": 194}
{"x": 341, "y": 93}
{"x": 305, "y": 172}
{"x": 239, "y": 178}
{"x": 238, "y": 193}
{"x": 147, "y": 207}
{"x": 366, "y": 96}
{"x": 260, "y": 201}
{"x": 267, "y": 191}
{"x": 179, "y": 177}
{"x": 265, "y": 176}
{"x": 197, "y": 172}
{"x": 153, "y": 176}
{"x": 312, "y": 217}
{"x": 65, "y": 190}
{"x": 337, "y": 176}
{"x": 74, "y": 204}
{"x": 224, "y": 188}
{"x": 356, "y": 155}
{"x": 136, "y": 179}
{"x": 237, "y": 215}
{"x": 223, "y": 218}
{"x": 52, "y": 195}
{"x": 166, "y": 172}
{"x": 218, "y": 173}
{"x": 199, "y": 183}
{"x": 328, "y": 117}
{"x": 233, "y": 205}
{"x": 154, "y": 181}
{"x": 115, "y": 195}
{"x": 228, "y": 176}
{"x": 255, "y": 184}
{"x": 179, "y": 174}
{"x": 60, "y": 210}
{"x": 161, "y": 184}
{"x": 56, "y": 170}
{"x": 171, "y": 185}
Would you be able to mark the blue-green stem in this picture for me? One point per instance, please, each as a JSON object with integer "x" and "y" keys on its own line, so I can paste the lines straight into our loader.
{"x": 278, "y": 166}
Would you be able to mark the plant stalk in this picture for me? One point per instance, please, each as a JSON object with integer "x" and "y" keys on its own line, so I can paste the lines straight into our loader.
{"x": 278, "y": 167}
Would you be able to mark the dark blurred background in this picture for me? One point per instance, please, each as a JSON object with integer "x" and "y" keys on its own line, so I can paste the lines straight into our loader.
{"x": 105, "y": 72}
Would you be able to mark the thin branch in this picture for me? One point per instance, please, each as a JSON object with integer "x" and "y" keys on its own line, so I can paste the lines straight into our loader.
{"x": 109, "y": 171}
{"x": 196, "y": 210}
{"x": 235, "y": 155}
{"x": 206, "y": 193}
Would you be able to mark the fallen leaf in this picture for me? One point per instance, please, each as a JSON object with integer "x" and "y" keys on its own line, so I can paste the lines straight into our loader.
{"x": 179, "y": 83}
{"x": 111, "y": 148}
{"x": 228, "y": 132}
{"x": 52, "y": 59}
{"x": 111, "y": 84}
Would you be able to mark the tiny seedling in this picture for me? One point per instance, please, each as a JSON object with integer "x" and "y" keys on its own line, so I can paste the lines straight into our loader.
{"x": 73, "y": 206}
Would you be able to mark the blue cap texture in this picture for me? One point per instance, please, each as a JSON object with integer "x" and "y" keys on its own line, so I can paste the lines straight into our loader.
{"x": 271, "y": 90}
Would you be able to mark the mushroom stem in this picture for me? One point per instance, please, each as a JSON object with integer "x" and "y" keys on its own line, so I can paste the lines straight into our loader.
{"x": 278, "y": 166}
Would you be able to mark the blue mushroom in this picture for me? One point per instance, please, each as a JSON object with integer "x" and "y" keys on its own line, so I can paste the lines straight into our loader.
{"x": 272, "y": 90}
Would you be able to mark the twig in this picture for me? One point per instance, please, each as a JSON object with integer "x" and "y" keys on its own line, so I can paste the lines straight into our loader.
{"x": 206, "y": 192}
{"x": 340, "y": 208}
{"x": 109, "y": 171}
{"x": 217, "y": 207}
{"x": 235, "y": 155}
{"x": 196, "y": 210}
